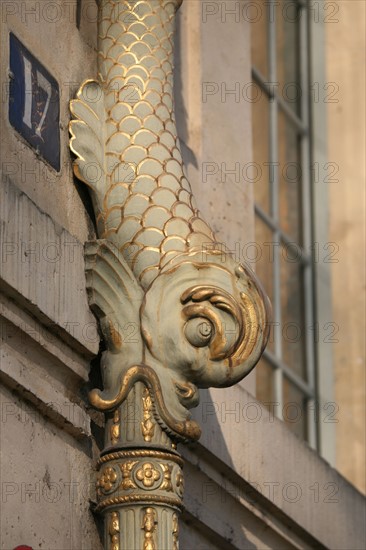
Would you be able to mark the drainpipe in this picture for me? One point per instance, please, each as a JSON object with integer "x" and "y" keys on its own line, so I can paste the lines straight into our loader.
{"x": 177, "y": 313}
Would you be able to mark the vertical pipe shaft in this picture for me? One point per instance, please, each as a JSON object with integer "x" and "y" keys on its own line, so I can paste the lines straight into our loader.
{"x": 140, "y": 479}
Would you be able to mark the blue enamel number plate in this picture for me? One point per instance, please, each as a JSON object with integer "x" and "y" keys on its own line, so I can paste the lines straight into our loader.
{"x": 34, "y": 103}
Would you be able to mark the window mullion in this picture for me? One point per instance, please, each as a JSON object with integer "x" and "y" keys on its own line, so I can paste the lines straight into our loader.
{"x": 306, "y": 217}
{"x": 274, "y": 201}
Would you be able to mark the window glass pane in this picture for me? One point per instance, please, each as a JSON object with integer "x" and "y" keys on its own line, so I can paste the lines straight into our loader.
{"x": 292, "y": 329}
{"x": 290, "y": 177}
{"x": 287, "y": 27}
{"x": 265, "y": 386}
{"x": 260, "y": 123}
{"x": 294, "y": 409}
{"x": 264, "y": 263}
{"x": 259, "y": 35}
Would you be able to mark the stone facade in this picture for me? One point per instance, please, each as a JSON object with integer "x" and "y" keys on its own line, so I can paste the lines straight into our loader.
{"x": 347, "y": 229}
{"x": 249, "y": 482}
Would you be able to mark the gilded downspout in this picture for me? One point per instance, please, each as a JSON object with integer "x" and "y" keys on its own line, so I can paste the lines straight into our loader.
{"x": 200, "y": 318}
{"x": 195, "y": 317}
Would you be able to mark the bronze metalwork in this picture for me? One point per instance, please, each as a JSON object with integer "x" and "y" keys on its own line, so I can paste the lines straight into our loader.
{"x": 198, "y": 318}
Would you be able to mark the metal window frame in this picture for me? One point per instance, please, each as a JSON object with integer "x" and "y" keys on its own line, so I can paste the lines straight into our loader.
{"x": 302, "y": 124}
{"x": 326, "y": 433}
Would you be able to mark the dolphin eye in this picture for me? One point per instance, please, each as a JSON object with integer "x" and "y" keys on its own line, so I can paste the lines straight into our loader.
{"x": 199, "y": 332}
{"x": 213, "y": 319}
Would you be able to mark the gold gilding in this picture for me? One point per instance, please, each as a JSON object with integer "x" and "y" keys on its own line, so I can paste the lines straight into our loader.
{"x": 148, "y": 424}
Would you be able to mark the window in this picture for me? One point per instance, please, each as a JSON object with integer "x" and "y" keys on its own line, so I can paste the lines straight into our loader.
{"x": 282, "y": 130}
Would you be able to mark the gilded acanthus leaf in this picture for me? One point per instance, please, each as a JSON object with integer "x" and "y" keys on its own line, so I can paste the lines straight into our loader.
{"x": 88, "y": 135}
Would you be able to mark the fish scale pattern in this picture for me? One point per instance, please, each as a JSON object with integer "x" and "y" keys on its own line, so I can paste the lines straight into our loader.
{"x": 147, "y": 208}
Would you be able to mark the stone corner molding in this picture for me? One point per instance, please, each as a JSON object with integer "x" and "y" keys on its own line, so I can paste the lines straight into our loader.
{"x": 176, "y": 313}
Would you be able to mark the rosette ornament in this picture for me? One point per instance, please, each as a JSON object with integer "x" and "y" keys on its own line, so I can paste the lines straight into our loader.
{"x": 197, "y": 318}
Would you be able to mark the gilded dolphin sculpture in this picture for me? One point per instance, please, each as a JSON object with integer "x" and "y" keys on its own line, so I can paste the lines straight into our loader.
{"x": 201, "y": 318}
